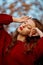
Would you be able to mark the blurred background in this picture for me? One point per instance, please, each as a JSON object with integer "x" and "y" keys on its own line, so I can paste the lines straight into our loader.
{"x": 17, "y": 8}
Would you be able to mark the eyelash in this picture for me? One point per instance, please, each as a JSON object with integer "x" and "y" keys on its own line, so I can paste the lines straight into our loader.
{"x": 29, "y": 28}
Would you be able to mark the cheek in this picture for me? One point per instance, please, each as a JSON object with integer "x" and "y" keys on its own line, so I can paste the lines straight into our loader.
{"x": 28, "y": 31}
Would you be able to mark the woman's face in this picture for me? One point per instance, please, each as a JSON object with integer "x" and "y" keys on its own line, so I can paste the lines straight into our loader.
{"x": 26, "y": 27}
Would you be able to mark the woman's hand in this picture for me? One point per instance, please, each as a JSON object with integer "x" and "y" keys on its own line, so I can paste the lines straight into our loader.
{"x": 20, "y": 19}
{"x": 39, "y": 32}
{"x": 36, "y": 31}
{"x": 24, "y": 18}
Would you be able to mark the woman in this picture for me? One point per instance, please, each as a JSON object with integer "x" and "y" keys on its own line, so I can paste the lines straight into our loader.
{"x": 27, "y": 46}
{"x": 5, "y": 38}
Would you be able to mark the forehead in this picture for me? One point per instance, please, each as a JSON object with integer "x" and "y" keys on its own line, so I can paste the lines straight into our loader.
{"x": 29, "y": 22}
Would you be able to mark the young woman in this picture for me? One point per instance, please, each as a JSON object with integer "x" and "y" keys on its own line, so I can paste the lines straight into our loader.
{"x": 5, "y": 38}
{"x": 27, "y": 47}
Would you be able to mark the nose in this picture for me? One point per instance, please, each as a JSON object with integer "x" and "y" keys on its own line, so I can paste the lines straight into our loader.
{"x": 23, "y": 26}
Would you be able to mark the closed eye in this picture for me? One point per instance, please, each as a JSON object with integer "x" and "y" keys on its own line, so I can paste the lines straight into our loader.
{"x": 29, "y": 28}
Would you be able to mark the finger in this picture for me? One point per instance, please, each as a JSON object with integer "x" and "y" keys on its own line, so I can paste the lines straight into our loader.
{"x": 27, "y": 17}
{"x": 30, "y": 34}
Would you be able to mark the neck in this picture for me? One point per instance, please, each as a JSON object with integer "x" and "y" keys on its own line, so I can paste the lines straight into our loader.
{"x": 21, "y": 37}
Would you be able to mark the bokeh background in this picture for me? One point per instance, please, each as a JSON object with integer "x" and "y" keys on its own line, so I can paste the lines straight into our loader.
{"x": 17, "y": 8}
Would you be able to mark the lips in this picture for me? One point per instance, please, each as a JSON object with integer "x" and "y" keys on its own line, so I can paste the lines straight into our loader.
{"x": 21, "y": 28}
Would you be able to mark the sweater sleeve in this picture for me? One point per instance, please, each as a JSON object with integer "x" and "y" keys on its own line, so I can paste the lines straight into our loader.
{"x": 5, "y": 19}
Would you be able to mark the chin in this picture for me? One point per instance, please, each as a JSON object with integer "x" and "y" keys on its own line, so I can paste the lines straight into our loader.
{"x": 20, "y": 32}
{"x": 23, "y": 34}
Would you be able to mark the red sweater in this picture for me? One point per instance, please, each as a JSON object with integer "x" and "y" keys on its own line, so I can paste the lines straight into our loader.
{"x": 5, "y": 38}
{"x": 16, "y": 55}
